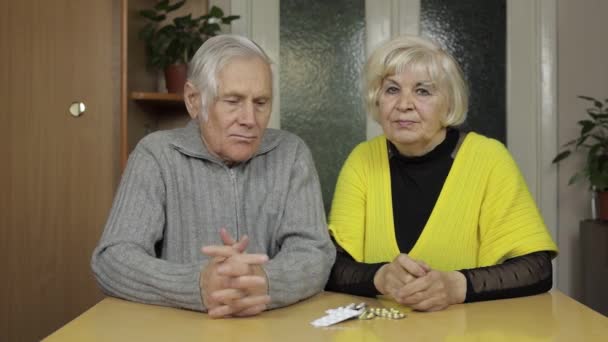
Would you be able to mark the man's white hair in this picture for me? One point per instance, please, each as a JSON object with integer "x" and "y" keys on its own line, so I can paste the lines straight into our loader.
{"x": 212, "y": 56}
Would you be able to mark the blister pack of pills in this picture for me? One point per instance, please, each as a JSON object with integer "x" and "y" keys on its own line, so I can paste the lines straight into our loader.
{"x": 339, "y": 314}
{"x": 360, "y": 311}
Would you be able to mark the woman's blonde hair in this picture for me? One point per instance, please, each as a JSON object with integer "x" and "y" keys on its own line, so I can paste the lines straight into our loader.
{"x": 417, "y": 54}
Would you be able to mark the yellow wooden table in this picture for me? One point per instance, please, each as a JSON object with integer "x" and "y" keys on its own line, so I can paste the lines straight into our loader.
{"x": 548, "y": 317}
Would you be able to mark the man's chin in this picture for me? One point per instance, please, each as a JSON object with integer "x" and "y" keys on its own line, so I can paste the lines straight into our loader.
{"x": 239, "y": 156}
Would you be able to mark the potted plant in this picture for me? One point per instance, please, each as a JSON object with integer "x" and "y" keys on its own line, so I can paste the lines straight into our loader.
{"x": 170, "y": 44}
{"x": 593, "y": 138}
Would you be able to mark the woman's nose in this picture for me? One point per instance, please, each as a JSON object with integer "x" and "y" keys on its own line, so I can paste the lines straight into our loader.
{"x": 405, "y": 102}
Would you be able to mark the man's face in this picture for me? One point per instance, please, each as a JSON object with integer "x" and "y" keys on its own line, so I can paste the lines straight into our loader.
{"x": 240, "y": 113}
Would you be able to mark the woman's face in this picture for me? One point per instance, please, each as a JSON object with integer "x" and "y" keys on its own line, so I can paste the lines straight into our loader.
{"x": 411, "y": 108}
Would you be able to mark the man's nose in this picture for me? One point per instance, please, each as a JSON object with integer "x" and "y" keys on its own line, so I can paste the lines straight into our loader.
{"x": 247, "y": 115}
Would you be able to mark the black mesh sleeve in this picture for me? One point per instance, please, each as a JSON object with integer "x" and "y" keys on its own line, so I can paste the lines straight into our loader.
{"x": 520, "y": 276}
{"x": 350, "y": 276}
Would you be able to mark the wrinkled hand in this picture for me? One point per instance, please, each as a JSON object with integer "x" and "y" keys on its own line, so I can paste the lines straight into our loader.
{"x": 233, "y": 283}
{"x": 436, "y": 290}
{"x": 391, "y": 277}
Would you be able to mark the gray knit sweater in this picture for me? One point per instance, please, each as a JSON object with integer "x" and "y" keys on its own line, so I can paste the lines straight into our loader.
{"x": 174, "y": 197}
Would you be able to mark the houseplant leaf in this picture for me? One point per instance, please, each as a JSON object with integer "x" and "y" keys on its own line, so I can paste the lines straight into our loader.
{"x": 162, "y": 5}
{"x": 175, "y": 6}
{"x": 593, "y": 137}
{"x": 216, "y": 12}
{"x": 576, "y": 178}
{"x": 561, "y": 156}
{"x": 595, "y": 102}
{"x": 152, "y": 15}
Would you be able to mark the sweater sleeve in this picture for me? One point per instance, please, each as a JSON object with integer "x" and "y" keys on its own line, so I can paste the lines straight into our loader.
{"x": 524, "y": 275}
{"x": 306, "y": 254}
{"x": 510, "y": 223}
{"x": 347, "y": 216}
{"x": 124, "y": 262}
{"x": 353, "y": 277}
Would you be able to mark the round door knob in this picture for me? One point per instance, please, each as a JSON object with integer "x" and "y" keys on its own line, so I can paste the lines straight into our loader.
{"x": 77, "y": 109}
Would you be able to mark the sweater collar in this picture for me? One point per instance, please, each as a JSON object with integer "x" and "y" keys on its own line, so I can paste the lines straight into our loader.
{"x": 446, "y": 148}
{"x": 188, "y": 141}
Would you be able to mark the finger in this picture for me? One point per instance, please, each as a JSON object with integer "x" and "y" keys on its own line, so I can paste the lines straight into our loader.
{"x": 249, "y": 301}
{"x": 215, "y": 260}
{"x": 252, "y": 311}
{"x": 414, "y": 299}
{"x": 220, "y": 311}
{"x": 247, "y": 282}
{"x": 424, "y": 265}
{"x": 402, "y": 275}
{"x": 226, "y": 296}
{"x": 226, "y": 237}
{"x": 228, "y": 240}
{"x": 241, "y": 246}
{"x": 392, "y": 284}
{"x": 410, "y": 265}
{"x": 219, "y": 251}
{"x": 418, "y": 285}
{"x": 430, "y": 304}
{"x": 395, "y": 276}
{"x": 238, "y": 306}
{"x": 408, "y": 278}
{"x": 240, "y": 264}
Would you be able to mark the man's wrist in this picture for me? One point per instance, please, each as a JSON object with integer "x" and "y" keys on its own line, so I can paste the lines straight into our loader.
{"x": 259, "y": 270}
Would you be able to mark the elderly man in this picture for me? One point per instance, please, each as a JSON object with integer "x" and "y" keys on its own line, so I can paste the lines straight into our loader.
{"x": 249, "y": 196}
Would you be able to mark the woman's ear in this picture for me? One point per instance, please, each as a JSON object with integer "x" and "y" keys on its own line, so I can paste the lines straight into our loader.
{"x": 192, "y": 99}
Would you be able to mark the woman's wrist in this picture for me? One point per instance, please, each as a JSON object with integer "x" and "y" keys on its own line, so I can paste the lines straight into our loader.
{"x": 378, "y": 281}
{"x": 457, "y": 284}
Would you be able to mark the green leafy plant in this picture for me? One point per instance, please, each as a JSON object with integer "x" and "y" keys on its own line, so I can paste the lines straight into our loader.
{"x": 593, "y": 137}
{"x": 176, "y": 41}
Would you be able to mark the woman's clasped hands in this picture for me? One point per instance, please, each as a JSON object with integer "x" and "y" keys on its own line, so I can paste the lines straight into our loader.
{"x": 413, "y": 283}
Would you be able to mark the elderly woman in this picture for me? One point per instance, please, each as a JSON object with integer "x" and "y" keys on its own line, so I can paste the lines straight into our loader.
{"x": 427, "y": 214}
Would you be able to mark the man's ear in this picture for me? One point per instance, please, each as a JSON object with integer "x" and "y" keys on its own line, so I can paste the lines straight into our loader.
{"x": 192, "y": 99}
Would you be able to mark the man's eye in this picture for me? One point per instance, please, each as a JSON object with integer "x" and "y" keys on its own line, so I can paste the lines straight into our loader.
{"x": 231, "y": 101}
{"x": 261, "y": 102}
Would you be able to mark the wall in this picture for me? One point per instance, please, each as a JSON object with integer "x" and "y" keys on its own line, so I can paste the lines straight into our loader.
{"x": 582, "y": 70}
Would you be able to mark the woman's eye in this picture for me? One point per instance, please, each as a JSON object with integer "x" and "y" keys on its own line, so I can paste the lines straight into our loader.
{"x": 423, "y": 92}
{"x": 392, "y": 90}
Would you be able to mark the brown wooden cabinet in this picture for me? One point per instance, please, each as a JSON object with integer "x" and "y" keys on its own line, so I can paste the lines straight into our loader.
{"x": 594, "y": 256}
{"x": 144, "y": 108}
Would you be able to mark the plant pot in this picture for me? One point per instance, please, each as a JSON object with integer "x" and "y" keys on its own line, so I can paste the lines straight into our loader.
{"x": 602, "y": 205}
{"x": 175, "y": 77}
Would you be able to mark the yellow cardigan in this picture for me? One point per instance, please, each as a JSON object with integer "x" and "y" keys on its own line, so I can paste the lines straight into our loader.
{"x": 483, "y": 216}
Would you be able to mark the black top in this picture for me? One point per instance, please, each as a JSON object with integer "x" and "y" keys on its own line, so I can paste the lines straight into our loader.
{"x": 416, "y": 183}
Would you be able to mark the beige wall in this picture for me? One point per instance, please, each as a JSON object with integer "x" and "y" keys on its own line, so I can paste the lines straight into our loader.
{"x": 582, "y": 54}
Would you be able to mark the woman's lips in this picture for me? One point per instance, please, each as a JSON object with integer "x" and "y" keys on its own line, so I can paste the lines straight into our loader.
{"x": 405, "y": 123}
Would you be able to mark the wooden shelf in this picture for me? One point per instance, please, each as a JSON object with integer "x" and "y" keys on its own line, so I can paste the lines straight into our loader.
{"x": 158, "y": 97}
